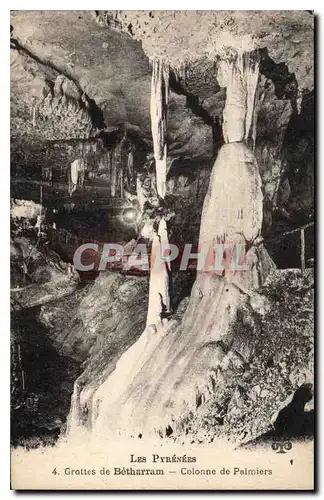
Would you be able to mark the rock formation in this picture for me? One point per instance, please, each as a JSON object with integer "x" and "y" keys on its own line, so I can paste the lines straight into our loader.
{"x": 156, "y": 128}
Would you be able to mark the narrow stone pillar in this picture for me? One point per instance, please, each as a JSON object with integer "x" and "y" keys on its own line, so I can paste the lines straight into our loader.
{"x": 159, "y": 295}
{"x": 233, "y": 207}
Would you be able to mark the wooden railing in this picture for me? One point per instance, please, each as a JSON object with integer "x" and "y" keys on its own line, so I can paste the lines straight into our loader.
{"x": 302, "y": 241}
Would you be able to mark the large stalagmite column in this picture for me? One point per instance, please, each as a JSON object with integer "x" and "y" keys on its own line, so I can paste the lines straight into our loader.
{"x": 159, "y": 296}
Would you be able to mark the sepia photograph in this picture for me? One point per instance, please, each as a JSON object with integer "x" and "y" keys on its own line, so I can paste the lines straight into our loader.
{"x": 162, "y": 177}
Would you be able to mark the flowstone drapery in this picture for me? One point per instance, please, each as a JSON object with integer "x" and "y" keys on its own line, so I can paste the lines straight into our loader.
{"x": 172, "y": 368}
{"x": 158, "y": 110}
{"x": 159, "y": 293}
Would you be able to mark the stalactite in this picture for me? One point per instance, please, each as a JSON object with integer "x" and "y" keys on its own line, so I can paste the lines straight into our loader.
{"x": 299, "y": 100}
{"x": 71, "y": 185}
{"x": 251, "y": 76}
{"x": 118, "y": 168}
{"x": 259, "y": 97}
{"x": 109, "y": 164}
{"x": 113, "y": 175}
{"x": 140, "y": 191}
{"x": 74, "y": 172}
{"x": 159, "y": 103}
{"x": 77, "y": 174}
{"x": 159, "y": 296}
{"x": 122, "y": 180}
{"x": 117, "y": 191}
{"x": 240, "y": 77}
{"x": 39, "y": 220}
{"x": 130, "y": 168}
{"x": 123, "y": 165}
{"x": 82, "y": 169}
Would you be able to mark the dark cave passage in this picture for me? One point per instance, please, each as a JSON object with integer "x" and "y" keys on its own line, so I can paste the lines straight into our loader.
{"x": 41, "y": 382}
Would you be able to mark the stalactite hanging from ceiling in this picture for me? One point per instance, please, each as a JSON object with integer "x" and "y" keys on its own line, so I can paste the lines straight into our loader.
{"x": 77, "y": 174}
{"x": 117, "y": 166}
{"x": 251, "y": 73}
{"x": 73, "y": 178}
{"x": 159, "y": 295}
{"x": 113, "y": 178}
{"x": 118, "y": 169}
{"x": 240, "y": 77}
{"x": 158, "y": 108}
{"x": 122, "y": 180}
{"x": 130, "y": 168}
{"x": 82, "y": 170}
{"x": 259, "y": 97}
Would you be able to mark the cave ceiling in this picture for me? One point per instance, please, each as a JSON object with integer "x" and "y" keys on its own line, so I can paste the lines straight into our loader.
{"x": 77, "y": 74}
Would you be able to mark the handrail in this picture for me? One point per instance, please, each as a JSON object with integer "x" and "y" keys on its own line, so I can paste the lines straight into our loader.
{"x": 301, "y": 228}
{"x": 302, "y": 241}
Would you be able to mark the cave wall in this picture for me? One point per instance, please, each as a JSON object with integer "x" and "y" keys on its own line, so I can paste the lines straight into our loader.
{"x": 85, "y": 99}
